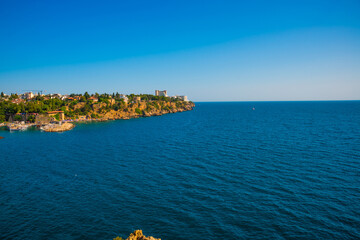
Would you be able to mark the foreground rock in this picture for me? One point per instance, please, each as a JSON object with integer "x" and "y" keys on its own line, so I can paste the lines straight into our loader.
{"x": 137, "y": 235}
{"x": 58, "y": 128}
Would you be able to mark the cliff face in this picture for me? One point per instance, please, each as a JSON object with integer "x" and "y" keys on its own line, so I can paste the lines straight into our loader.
{"x": 145, "y": 109}
{"x": 137, "y": 235}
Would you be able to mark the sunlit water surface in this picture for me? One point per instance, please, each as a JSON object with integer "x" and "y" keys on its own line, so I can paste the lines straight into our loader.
{"x": 286, "y": 170}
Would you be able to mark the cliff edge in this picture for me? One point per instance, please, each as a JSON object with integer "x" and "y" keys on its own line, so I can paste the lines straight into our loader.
{"x": 142, "y": 109}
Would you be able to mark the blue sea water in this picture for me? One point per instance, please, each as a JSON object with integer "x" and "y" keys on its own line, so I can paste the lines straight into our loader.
{"x": 286, "y": 170}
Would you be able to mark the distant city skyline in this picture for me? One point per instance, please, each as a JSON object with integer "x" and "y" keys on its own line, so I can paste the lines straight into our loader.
{"x": 209, "y": 51}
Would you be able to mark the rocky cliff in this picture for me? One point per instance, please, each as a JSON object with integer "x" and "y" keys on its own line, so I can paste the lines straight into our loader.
{"x": 143, "y": 109}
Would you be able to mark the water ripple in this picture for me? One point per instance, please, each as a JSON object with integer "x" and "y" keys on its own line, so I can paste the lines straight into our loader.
{"x": 222, "y": 171}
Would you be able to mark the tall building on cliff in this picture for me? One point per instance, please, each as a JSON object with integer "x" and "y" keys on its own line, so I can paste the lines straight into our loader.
{"x": 161, "y": 93}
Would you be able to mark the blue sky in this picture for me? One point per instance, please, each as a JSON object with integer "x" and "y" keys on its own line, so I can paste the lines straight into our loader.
{"x": 208, "y": 50}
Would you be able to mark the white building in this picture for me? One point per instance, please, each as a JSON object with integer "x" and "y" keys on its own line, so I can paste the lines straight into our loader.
{"x": 124, "y": 97}
{"x": 161, "y": 93}
{"x": 63, "y": 97}
{"x": 56, "y": 95}
{"x": 27, "y": 95}
{"x": 183, "y": 98}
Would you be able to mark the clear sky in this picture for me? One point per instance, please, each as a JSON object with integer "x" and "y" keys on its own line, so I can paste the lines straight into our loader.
{"x": 208, "y": 50}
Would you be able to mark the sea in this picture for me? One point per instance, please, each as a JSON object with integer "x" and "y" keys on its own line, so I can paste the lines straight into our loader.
{"x": 226, "y": 170}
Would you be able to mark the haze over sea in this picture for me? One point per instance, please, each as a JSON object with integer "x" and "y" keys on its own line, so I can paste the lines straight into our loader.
{"x": 222, "y": 171}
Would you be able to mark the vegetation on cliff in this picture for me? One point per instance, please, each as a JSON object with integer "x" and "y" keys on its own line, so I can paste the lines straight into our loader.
{"x": 96, "y": 106}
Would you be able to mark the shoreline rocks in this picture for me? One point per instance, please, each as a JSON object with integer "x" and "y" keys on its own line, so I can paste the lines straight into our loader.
{"x": 137, "y": 235}
{"x": 58, "y": 128}
{"x": 137, "y": 110}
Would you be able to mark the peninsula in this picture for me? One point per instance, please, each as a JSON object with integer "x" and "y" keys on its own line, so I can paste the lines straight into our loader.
{"x": 56, "y": 112}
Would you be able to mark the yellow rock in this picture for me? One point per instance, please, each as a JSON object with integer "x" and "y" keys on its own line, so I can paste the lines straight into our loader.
{"x": 137, "y": 235}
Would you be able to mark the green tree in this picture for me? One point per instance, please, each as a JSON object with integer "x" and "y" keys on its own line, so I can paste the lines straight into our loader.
{"x": 31, "y": 118}
{"x": 13, "y": 96}
{"x": 39, "y": 98}
{"x": 17, "y": 118}
{"x": 138, "y": 111}
{"x": 86, "y": 95}
{"x": 94, "y": 116}
{"x": 57, "y": 116}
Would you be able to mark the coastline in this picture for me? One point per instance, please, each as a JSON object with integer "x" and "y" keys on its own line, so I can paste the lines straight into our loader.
{"x": 69, "y": 124}
{"x": 51, "y": 112}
